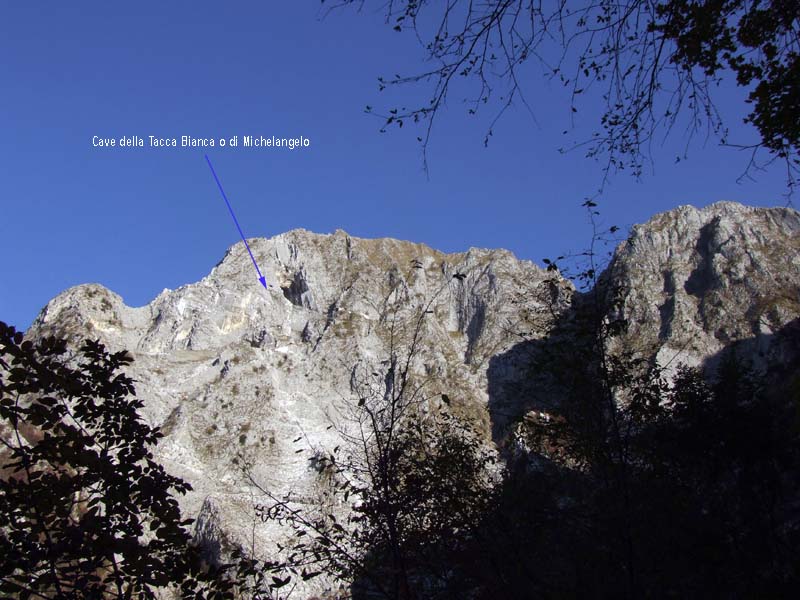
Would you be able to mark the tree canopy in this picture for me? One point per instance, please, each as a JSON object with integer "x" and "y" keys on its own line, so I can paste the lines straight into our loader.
{"x": 85, "y": 509}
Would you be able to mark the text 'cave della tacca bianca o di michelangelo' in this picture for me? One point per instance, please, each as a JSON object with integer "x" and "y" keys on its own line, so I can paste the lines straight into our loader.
{"x": 188, "y": 141}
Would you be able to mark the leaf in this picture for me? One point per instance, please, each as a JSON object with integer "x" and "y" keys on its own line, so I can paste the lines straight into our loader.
{"x": 277, "y": 582}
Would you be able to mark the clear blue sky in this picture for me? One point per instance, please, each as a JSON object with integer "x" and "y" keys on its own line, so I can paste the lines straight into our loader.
{"x": 140, "y": 220}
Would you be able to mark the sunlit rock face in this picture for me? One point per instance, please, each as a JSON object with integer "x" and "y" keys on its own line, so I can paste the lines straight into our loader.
{"x": 694, "y": 281}
{"x": 227, "y": 368}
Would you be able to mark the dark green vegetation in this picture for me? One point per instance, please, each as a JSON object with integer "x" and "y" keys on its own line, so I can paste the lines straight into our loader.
{"x": 652, "y": 64}
{"x": 85, "y": 511}
{"x": 607, "y": 477}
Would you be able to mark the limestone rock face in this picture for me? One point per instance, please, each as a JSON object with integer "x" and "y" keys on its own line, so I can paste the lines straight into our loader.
{"x": 229, "y": 369}
{"x": 694, "y": 281}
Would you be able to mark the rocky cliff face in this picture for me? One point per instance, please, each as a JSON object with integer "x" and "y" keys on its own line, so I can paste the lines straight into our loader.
{"x": 228, "y": 368}
{"x": 695, "y": 281}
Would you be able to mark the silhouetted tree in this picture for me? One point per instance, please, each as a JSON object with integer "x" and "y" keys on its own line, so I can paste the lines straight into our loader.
{"x": 408, "y": 484}
{"x": 654, "y": 65}
{"x": 85, "y": 510}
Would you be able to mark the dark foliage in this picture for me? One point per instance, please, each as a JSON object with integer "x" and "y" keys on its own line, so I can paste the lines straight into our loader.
{"x": 629, "y": 484}
{"x": 411, "y": 516}
{"x": 85, "y": 510}
{"x": 687, "y": 490}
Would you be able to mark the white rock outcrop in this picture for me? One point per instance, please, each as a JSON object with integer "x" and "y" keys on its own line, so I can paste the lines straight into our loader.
{"x": 696, "y": 280}
{"x": 228, "y": 367}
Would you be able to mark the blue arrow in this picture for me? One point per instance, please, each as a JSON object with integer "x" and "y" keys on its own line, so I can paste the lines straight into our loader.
{"x": 261, "y": 278}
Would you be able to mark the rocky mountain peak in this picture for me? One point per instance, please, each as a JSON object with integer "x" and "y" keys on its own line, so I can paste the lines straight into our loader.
{"x": 695, "y": 280}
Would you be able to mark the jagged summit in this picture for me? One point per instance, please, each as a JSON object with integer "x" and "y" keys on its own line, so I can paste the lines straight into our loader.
{"x": 695, "y": 280}
{"x": 309, "y": 270}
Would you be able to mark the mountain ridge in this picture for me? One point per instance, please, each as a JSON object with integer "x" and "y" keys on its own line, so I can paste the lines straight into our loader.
{"x": 228, "y": 368}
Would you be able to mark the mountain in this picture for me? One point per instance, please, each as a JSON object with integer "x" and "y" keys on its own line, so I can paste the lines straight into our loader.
{"x": 695, "y": 281}
{"x": 227, "y": 367}
{"x": 230, "y": 370}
